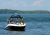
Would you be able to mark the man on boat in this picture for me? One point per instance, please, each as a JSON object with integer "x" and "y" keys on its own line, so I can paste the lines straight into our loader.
{"x": 17, "y": 20}
{"x": 10, "y": 20}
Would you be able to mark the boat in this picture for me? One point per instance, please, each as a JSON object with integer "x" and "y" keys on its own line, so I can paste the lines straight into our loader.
{"x": 15, "y": 26}
{"x": 15, "y": 13}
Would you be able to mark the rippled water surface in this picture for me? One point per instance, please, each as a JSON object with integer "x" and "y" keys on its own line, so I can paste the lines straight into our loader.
{"x": 36, "y": 24}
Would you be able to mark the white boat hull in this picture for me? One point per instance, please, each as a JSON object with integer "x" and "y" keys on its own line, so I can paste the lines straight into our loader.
{"x": 15, "y": 27}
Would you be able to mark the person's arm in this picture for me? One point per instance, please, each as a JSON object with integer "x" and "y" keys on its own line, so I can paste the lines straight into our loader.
{"x": 9, "y": 21}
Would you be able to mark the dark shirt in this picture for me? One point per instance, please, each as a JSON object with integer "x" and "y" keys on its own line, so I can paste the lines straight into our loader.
{"x": 11, "y": 20}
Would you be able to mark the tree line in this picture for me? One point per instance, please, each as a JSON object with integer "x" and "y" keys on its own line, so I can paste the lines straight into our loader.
{"x": 9, "y": 11}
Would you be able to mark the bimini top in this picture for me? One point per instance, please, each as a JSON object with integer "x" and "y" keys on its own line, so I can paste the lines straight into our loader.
{"x": 16, "y": 16}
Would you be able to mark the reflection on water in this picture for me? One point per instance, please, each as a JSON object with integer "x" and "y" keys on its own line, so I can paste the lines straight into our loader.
{"x": 17, "y": 32}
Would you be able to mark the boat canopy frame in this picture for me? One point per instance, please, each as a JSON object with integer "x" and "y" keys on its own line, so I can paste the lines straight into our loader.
{"x": 16, "y": 16}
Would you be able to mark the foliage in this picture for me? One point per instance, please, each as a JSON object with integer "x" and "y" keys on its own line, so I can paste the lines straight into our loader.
{"x": 9, "y": 11}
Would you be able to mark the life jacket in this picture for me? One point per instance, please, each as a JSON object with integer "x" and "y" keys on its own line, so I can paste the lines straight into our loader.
{"x": 21, "y": 23}
{"x": 17, "y": 23}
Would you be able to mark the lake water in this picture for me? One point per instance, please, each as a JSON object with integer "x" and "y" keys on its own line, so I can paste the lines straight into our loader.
{"x": 36, "y": 24}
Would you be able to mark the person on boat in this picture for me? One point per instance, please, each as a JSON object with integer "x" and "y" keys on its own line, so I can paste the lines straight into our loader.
{"x": 11, "y": 20}
{"x": 17, "y": 23}
{"x": 22, "y": 23}
{"x": 17, "y": 20}
{"x": 22, "y": 18}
